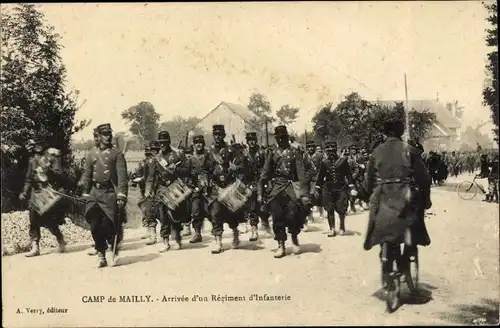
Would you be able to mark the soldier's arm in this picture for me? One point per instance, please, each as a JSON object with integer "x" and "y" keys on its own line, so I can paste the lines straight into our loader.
{"x": 87, "y": 174}
{"x": 422, "y": 176}
{"x": 370, "y": 176}
{"x": 317, "y": 178}
{"x": 122, "y": 175}
{"x": 301, "y": 174}
{"x": 348, "y": 174}
{"x": 150, "y": 176}
{"x": 266, "y": 174}
{"x": 28, "y": 180}
{"x": 182, "y": 169}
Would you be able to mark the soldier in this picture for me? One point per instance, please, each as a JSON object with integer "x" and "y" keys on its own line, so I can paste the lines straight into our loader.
{"x": 198, "y": 181}
{"x": 355, "y": 171}
{"x": 168, "y": 166}
{"x": 44, "y": 170}
{"x": 255, "y": 157}
{"x": 106, "y": 186}
{"x": 150, "y": 205}
{"x": 186, "y": 231}
{"x": 333, "y": 175}
{"x": 399, "y": 185}
{"x": 311, "y": 166}
{"x": 139, "y": 177}
{"x": 224, "y": 167}
{"x": 288, "y": 196}
{"x": 493, "y": 179}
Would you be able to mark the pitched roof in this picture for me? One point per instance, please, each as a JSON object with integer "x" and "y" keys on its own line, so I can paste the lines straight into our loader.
{"x": 443, "y": 116}
{"x": 239, "y": 110}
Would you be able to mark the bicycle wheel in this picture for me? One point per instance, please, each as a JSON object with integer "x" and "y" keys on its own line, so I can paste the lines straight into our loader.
{"x": 411, "y": 274}
{"x": 467, "y": 190}
{"x": 393, "y": 292}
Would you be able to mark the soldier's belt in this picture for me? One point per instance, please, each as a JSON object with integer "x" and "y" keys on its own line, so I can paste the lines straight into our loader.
{"x": 389, "y": 181}
{"x": 102, "y": 186}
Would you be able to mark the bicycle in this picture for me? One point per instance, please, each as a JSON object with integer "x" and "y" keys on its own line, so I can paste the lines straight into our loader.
{"x": 467, "y": 190}
{"x": 400, "y": 265}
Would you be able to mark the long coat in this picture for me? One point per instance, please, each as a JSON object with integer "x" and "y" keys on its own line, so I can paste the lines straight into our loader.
{"x": 105, "y": 180}
{"x": 390, "y": 177}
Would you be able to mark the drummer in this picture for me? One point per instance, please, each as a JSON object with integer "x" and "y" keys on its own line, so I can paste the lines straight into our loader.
{"x": 167, "y": 166}
{"x": 34, "y": 185}
{"x": 224, "y": 166}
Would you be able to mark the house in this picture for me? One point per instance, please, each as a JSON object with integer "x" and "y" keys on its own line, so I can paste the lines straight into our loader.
{"x": 235, "y": 118}
{"x": 445, "y": 132}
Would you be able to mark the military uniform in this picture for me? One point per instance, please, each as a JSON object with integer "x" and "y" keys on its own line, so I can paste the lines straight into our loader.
{"x": 198, "y": 181}
{"x": 335, "y": 178}
{"x": 288, "y": 191}
{"x": 106, "y": 183}
{"x": 44, "y": 170}
{"x": 167, "y": 166}
{"x": 139, "y": 178}
{"x": 225, "y": 165}
{"x": 311, "y": 165}
{"x": 399, "y": 186}
{"x": 254, "y": 161}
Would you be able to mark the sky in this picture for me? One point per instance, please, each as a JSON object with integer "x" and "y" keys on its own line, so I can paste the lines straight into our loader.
{"x": 185, "y": 58}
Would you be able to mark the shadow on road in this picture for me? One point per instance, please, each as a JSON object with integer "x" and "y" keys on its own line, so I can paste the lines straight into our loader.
{"x": 188, "y": 246}
{"x": 486, "y": 312}
{"x": 131, "y": 246}
{"x": 77, "y": 248}
{"x": 310, "y": 248}
{"x": 127, "y": 260}
{"x": 422, "y": 295}
{"x": 312, "y": 228}
{"x": 351, "y": 233}
{"x": 250, "y": 246}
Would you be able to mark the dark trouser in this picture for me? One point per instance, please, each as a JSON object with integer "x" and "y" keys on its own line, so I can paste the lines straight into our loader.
{"x": 286, "y": 214}
{"x": 198, "y": 211}
{"x": 37, "y": 221}
{"x": 254, "y": 211}
{"x": 337, "y": 201}
{"x": 150, "y": 213}
{"x": 221, "y": 214}
{"x": 171, "y": 222}
{"x": 493, "y": 188}
{"x": 103, "y": 229}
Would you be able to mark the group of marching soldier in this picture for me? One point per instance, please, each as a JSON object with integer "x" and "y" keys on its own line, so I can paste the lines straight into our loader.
{"x": 282, "y": 182}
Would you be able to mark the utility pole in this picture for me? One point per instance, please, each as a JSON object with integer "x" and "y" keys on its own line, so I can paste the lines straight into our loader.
{"x": 406, "y": 136}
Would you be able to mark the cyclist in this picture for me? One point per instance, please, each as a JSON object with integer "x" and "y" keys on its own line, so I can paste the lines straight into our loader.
{"x": 394, "y": 169}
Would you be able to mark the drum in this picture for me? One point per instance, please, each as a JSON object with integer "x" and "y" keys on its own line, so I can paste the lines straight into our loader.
{"x": 174, "y": 194}
{"x": 234, "y": 196}
{"x": 42, "y": 200}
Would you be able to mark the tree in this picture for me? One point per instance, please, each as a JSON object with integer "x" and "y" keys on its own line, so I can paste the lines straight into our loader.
{"x": 287, "y": 114}
{"x": 359, "y": 122}
{"x": 455, "y": 108}
{"x": 490, "y": 91}
{"x": 179, "y": 127}
{"x": 144, "y": 120}
{"x": 33, "y": 97}
{"x": 261, "y": 107}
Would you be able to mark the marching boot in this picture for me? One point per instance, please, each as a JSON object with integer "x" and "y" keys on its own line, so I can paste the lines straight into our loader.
{"x": 342, "y": 226}
{"x": 255, "y": 234}
{"x": 35, "y": 249}
{"x": 306, "y": 226}
{"x": 296, "y": 246}
{"x": 178, "y": 241}
{"x": 102, "y": 260}
{"x": 280, "y": 252}
{"x": 61, "y": 247}
{"x": 331, "y": 224}
{"x": 197, "y": 238}
{"x": 166, "y": 246}
{"x": 236, "y": 238}
{"x": 217, "y": 249}
{"x": 152, "y": 236}
{"x": 187, "y": 230}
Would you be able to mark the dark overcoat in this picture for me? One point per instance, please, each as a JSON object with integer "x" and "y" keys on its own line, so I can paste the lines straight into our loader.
{"x": 399, "y": 185}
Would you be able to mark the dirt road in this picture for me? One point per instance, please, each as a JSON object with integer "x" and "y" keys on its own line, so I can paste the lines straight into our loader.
{"x": 333, "y": 282}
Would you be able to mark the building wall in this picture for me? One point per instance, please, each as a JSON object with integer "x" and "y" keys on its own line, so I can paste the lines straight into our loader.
{"x": 232, "y": 123}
